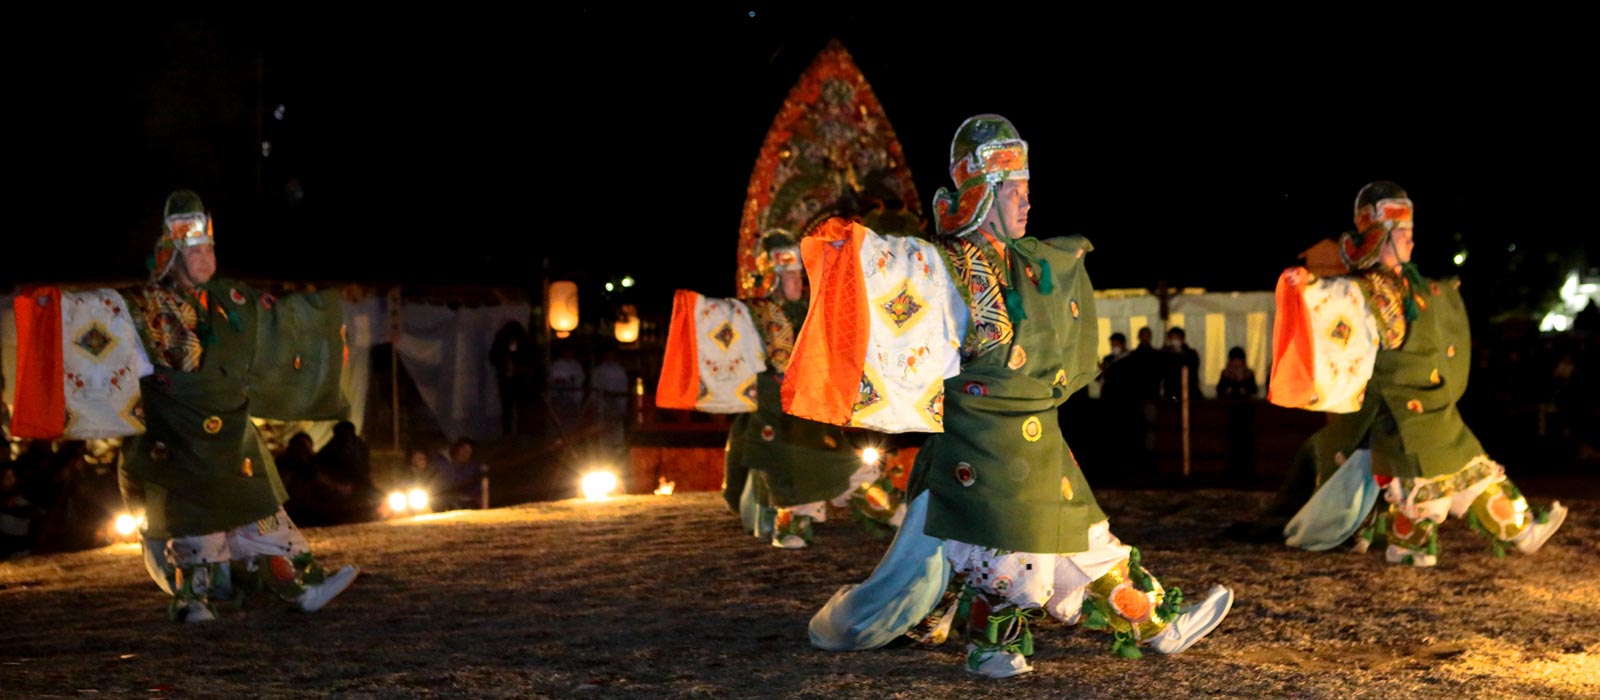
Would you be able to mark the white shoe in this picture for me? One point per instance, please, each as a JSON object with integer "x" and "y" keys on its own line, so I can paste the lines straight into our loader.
{"x": 1399, "y": 555}
{"x": 198, "y": 612}
{"x": 996, "y": 664}
{"x": 321, "y": 594}
{"x": 790, "y": 542}
{"x": 1361, "y": 545}
{"x": 1195, "y": 622}
{"x": 1531, "y": 539}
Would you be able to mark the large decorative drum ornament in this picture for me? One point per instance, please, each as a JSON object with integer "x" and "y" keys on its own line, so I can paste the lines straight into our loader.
{"x": 830, "y": 152}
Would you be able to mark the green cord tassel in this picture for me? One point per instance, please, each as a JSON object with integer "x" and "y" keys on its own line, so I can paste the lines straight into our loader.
{"x": 236, "y": 322}
{"x": 1123, "y": 645}
{"x": 1043, "y": 278}
{"x": 1171, "y": 604}
{"x": 1137, "y": 574}
{"x": 1013, "y": 303}
{"x": 1047, "y": 281}
{"x": 1094, "y": 618}
{"x": 1497, "y": 546}
{"x": 206, "y": 333}
{"x": 1022, "y": 643}
{"x": 1377, "y": 524}
{"x": 964, "y": 604}
{"x": 1414, "y": 279}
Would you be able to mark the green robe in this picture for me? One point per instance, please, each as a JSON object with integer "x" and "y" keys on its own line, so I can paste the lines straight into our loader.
{"x": 798, "y": 461}
{"x": 1001, "y": 475}
{"x": 201, "y": 467}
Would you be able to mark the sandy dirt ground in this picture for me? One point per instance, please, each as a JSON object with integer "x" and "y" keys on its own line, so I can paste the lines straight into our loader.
{"x": 664, "y": 597}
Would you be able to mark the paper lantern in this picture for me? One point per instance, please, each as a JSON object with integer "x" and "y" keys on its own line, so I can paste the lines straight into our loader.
{"x": 562, "y": 306}
{"x": 627, "y": 326}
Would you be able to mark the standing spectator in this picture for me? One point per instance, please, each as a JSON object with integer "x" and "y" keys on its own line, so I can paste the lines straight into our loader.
{"x": 1110, "y": 380}
{"x": 566, "y": 385}
{"x": 608, "y": 394}
{"x": 1237, "y": 385}
{"x": 511, "y": 354}
{"x": 1139, "y": 380}
{"x": 1181, "y": 356}
{"x": 1238, "y": 381}
{"x": 1143, "y": 369}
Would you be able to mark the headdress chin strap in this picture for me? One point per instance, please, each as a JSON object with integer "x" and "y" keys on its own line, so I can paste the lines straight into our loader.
{"x": 1362, "y": 249}
{"x": 1035, "y": 267}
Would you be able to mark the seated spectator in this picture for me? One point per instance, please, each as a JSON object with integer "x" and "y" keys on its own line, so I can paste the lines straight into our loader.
{"x": 17, "y": 516}
{"x": 459, "y": 479}
{"x": 345, "y": 464}
{"x": 89, "y": 501}
{"x": 345, "y": 460}
{"x": 297, "y": 465}
{"x": 427, "y": 467}
{"x": 35, "y": 468}
{"x": 313, "y": 500}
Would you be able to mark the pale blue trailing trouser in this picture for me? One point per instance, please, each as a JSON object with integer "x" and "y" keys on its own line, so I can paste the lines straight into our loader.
{"x": 900, "y": 593}
{"x": 756, "y": 516}
{"x": 1337, "y": 509}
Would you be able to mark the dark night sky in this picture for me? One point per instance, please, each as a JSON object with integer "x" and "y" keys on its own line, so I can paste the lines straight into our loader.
{"x": 465, "y": 149}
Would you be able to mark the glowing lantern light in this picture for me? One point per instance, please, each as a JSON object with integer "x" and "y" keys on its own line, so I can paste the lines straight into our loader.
{"x": 664, "y": 487}
{"x": 870, "y": 455}
{"x": 598, "y": 485}
{"x": 397, "y": 502}
{"x": 418, "y": 499}
{"x": 562, "y": 305}
{"x": 627, "y": 330}
{"x": 126, "y": 524}
{"x": 627, "y": 326}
